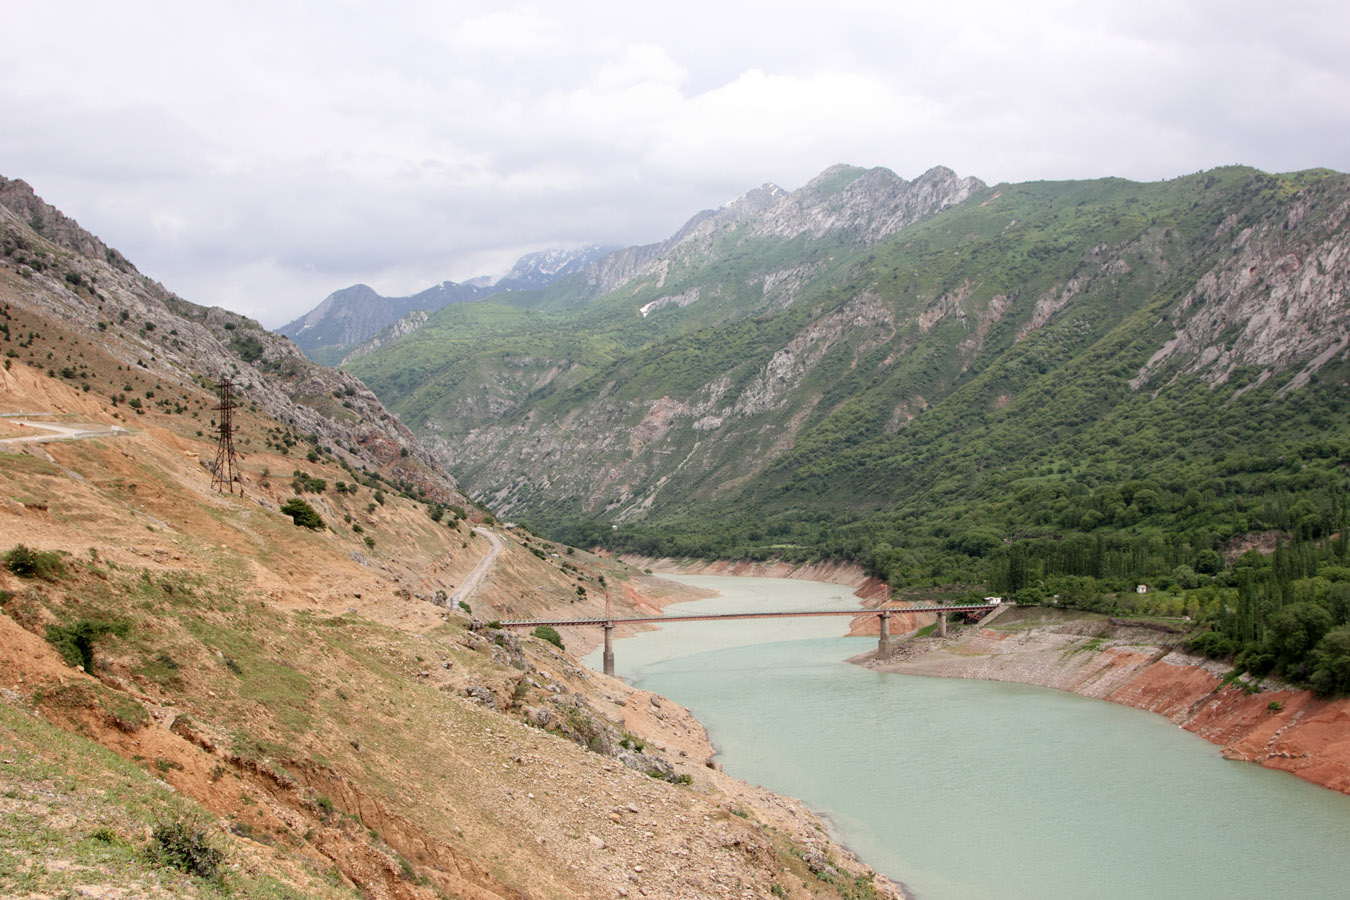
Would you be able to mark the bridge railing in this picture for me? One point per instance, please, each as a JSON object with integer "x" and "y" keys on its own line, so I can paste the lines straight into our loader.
{"x": 711, "y": 617}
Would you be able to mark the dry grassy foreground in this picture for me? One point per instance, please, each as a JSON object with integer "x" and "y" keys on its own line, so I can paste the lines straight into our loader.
{"x": 302, "y": 703}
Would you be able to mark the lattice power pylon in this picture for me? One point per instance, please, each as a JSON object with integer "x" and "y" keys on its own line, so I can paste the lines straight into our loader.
{"x": 225, "y": 472}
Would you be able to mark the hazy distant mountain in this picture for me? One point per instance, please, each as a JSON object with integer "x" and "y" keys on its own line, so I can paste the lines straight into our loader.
{"x": 535, "y": 271}
{"x": 356, "y": 314}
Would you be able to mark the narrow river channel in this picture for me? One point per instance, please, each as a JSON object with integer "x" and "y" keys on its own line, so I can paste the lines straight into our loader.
{"x": 973, "y": 790}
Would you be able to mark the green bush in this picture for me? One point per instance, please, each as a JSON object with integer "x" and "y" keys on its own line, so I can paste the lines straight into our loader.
{"x": 1212, "y": 644}
{"x": 28, "y": 563}
{"x": 301, "y": 482}
{"x": 302, "y": 514}
{"x": 550, "y": 634}
{"x": 76, "y": 642}
{"x": 1331, "y": 663}
{"x": 106, "y": 836}
{"x": 186, "y": 848}
{"x": 1255, "y": 660}
{"x": 1292, "y": 632}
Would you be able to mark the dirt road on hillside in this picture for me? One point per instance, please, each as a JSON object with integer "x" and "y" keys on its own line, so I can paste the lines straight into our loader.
{"x": 59, "y": 432}
{"x": 465, "y": 590}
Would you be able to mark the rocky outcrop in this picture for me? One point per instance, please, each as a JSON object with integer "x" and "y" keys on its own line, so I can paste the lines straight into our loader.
{"x": 1276, "y": 300}
{"x": 632, "y": 444}
{"x": 18, "y": 197}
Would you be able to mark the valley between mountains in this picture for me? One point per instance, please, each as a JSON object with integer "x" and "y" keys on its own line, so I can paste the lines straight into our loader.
{"x": 204, "y": 696}
{"x": 1120, "y": 400}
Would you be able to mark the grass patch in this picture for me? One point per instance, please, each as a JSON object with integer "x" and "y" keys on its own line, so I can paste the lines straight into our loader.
{"x": 78, "y": 819}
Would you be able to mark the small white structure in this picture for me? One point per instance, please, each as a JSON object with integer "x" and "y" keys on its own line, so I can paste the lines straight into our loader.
{"x": 1141, "y": 589}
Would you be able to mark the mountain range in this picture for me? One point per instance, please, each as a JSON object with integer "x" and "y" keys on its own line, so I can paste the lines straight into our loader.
{"x": 868, "y": 362}
{"x": 356, "y": 314}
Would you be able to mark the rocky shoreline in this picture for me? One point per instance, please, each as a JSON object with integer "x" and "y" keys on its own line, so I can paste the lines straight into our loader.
{"x": 1277, "y": 726}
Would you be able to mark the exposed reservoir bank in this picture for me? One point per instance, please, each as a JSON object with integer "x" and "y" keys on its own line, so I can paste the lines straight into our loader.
{"x": 966, "y": 789}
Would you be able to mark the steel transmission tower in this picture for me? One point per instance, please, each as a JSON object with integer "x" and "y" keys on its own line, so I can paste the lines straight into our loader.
{"x": 225, "y": 472}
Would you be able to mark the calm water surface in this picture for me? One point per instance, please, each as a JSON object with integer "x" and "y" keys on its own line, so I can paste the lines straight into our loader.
{"x": 967, "y": 790}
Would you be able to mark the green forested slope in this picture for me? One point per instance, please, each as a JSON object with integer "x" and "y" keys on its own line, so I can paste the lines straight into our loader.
{"x": 1105, "y": 381}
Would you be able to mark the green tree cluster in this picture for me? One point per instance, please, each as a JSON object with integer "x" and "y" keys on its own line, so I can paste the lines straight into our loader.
{"x": 302, "y": 514}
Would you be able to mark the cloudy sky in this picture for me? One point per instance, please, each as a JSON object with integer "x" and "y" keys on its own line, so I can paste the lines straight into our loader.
{"x": 258, "y": 156}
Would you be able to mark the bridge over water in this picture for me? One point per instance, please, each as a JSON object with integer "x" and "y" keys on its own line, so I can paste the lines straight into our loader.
{"x": 883, "y": 613}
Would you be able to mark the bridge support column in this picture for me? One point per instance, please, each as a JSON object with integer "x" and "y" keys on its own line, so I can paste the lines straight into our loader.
{"x": 609, "y": 648}
{"x": 884, "y": 642}
{"x": 941, "y": 624}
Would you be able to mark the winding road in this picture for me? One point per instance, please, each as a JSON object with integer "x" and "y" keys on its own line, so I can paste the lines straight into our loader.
{"x": 465, "y": 590}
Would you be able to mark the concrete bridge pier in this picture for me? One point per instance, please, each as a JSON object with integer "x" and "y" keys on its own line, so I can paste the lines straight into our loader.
{"x": 884, "y": 643}
{"x": 609, "y": 648}
{"x": 941, "y": 624}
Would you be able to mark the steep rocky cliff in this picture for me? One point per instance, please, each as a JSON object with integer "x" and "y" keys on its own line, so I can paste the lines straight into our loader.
{"x": 1276, "y": 300}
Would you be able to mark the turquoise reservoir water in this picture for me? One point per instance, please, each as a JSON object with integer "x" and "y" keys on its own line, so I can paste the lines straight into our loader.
{"x": 971, "y": 790}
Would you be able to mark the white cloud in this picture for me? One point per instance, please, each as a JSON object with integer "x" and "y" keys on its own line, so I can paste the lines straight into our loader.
{"x": 515, "y": 32}
{"x": 259, "y": 156}
{"x": 639, "y": 65}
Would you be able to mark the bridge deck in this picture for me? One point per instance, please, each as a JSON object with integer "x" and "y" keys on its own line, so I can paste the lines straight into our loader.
{"x": 713, "y": 617}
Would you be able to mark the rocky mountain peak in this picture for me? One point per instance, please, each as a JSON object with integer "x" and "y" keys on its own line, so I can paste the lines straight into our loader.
{"x": 756, "y": 200}
{"x": 869, "y": 204}
{"x": 543, "y": 267}
{"x": 18, "y": 196}
{"x": 339, "y": 303}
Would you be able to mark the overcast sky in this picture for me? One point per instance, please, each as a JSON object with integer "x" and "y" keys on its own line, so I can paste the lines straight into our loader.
{"x": 258, "y": 156}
